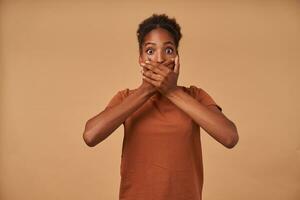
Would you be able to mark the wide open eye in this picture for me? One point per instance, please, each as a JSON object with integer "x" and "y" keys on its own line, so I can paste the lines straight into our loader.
{"x": 169, "y": 50}
{"x": 149, "y": 51}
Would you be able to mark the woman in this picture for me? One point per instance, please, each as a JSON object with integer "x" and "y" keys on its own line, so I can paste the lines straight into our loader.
{"x": 161, "y": 153}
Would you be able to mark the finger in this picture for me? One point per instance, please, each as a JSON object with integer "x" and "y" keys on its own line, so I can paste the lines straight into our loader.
{"x": 155, "y": 69}
{"x": 164, "y": 69}
{"x": 165, "y": 66}
{"x": 167, "y": 62}
{"x": 142, "y": 64}
{"x": 146, "y": 66}
{"x": 150, "y": 62}
{"x": 150, "y": 81}
{"x": 153, "y": 76}
{"x": 177, "y": 64}
{"x": 145, "y": 69}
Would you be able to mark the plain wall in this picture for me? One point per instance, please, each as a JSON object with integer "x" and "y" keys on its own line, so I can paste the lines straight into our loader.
{"x": 62, "y": 61}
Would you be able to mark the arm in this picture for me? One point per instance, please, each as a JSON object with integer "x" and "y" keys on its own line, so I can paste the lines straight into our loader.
{"x": 210, "y": 118}
{"x": 102, "y": 125}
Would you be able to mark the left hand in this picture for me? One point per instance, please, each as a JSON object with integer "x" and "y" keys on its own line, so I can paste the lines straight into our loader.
{"x": 161, "y": 76}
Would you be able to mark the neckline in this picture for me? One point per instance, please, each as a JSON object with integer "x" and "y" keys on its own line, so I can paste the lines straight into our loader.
{"x": 156, "y": 96}
{"x": 161, "y": 97}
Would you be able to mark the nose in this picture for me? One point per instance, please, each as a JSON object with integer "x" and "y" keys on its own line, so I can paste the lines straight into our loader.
{"x": 160, "y": 57}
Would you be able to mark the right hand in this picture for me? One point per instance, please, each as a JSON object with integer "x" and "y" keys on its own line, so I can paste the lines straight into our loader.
{"x": 148, "y": 86}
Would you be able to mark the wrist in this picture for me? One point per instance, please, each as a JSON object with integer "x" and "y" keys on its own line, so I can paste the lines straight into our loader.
{"x": 172, "y": 92}
{"x": 147, "y": 91}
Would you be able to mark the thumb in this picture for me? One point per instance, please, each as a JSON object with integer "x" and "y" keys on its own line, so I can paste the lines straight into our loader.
{"x": 177, "y": 64}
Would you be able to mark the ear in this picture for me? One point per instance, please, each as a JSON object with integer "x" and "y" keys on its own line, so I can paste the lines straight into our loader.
{"x": 140, "y": 59}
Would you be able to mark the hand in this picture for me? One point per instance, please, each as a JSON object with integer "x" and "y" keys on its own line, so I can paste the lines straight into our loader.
{"x": 146, "y": 86}
{"x": 162, "y": 77}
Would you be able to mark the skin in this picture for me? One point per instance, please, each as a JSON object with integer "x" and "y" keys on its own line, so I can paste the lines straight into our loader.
{"x": 158, "y": 57}
{"x": 160, "y": 68}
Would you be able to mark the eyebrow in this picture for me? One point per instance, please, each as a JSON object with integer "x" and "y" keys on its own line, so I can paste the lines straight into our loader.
{"x": 168, "y": 42}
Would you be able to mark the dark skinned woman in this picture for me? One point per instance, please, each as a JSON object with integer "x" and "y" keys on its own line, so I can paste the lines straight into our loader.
{"x": 161, "y": 153}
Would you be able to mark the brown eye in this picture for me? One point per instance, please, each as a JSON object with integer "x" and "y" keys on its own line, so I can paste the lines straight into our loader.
{"x": 169, "y": 50}
{"x": 149, "y": 51}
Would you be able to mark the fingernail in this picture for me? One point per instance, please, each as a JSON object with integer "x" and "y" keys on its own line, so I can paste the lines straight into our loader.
{"x": 147, "y": 61}
{"x": 143, "y": 64}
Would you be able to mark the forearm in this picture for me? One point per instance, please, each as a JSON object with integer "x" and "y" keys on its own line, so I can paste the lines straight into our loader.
{"x": 214, "y": 123}
{"x": 102, "y": 125}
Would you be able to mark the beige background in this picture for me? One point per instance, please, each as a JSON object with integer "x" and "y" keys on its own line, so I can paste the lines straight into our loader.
{"x": 62, "y": 61}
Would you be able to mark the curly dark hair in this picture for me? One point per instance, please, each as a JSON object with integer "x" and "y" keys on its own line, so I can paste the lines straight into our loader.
{"x": 159, "y": 21}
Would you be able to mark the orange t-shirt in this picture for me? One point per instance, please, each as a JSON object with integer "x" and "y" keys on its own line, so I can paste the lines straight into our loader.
{"x": 161, "y": 153}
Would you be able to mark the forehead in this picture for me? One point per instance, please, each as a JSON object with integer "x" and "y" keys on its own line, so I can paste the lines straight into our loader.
{"x": 159, "y": 35}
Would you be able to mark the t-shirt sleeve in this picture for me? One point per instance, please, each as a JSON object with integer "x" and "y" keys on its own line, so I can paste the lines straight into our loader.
{"x": 203, "y": 97}
{"x": 117, "y": 98}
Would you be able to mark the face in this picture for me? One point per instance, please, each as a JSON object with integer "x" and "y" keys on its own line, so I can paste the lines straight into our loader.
{"x": 158, "y": 46}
